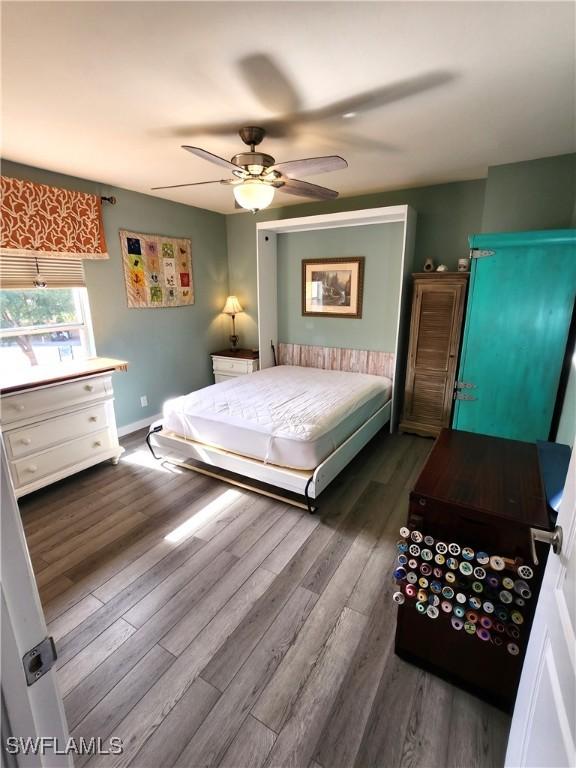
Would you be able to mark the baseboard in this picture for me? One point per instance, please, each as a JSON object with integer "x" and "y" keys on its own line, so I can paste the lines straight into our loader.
{"x": 127, "y": 429}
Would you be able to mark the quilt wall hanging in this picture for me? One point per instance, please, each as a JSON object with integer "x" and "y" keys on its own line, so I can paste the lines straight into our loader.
{"x": 39, "y": 220}
{"x": 157, "y": 270}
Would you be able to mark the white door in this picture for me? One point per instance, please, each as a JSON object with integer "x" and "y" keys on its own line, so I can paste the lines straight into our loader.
{"x": 28, "y": 711}
{"x": 543, "y": 732}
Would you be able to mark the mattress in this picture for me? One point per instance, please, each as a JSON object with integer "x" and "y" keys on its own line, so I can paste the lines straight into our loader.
{"x": 287, "y": 415}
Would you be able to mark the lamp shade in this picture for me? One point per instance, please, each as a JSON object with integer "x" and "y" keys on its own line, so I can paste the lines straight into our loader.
{"x": 254, "y": 194}
{"x": 232, "y": 306}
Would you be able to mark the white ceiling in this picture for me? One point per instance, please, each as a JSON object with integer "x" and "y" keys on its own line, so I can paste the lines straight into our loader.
{"x": 110, "y": 90}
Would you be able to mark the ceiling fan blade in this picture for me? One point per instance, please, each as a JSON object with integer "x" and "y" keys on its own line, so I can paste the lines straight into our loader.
{"x": 341, "y": 139}
{"x": 275, "y": 129}
{"x": 205, "y": 155}
{"x": 269, "y": 84}
{"x": 196, "y": 184}
{"x": 305, "y": 189}
{"x": 311, "y": 165}
{"x": 290, "y": 117}
{"x": 379, "y": 97}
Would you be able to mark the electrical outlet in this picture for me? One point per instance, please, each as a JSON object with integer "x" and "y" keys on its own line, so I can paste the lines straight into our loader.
{"x": 144, "y": 401}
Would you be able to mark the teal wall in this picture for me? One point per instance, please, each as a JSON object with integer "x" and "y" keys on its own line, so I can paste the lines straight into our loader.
{"x": 447, "y": 214}
{"x": 536, "y": 194}
{"x": 168, "y": 350}
{"x": 381, "y": 245}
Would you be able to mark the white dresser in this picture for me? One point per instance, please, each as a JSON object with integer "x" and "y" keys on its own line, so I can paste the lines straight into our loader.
{"x": 231, "y": 363}
{"x": 58, "y": 427}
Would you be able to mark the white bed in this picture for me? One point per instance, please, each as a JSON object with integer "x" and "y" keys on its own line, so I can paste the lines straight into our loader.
{"x": 288, "y": 416}
{"x": 288, "y": 426}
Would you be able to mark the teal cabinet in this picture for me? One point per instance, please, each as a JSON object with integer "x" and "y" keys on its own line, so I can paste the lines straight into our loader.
{"x": 520, "y": 303}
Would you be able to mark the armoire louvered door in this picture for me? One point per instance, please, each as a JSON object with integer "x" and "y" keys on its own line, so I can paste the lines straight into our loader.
{"x": 435, "y": 329}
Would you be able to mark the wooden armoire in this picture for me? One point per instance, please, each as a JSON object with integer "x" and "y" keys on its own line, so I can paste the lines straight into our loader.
{"x": 435, "y": 329}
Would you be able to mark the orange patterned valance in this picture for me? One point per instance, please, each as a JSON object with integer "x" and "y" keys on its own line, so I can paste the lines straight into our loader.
{"x": 39, "y": 220}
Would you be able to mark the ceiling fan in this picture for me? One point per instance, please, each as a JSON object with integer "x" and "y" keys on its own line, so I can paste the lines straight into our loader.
{"x": 288, "y": 116}
{"x": 257, "y": 175}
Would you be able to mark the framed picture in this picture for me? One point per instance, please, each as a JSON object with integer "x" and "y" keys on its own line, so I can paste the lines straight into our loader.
{"x": 333, "y": 287}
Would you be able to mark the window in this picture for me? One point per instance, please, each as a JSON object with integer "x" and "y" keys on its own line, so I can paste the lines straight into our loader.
{"x": 43, "y": 326}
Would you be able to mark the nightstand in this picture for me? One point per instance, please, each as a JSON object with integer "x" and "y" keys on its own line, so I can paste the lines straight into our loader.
{"x": 234, "y": 362}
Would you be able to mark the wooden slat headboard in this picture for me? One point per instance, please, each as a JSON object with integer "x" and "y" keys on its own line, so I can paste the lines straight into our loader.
{"x": 338, "y": 359}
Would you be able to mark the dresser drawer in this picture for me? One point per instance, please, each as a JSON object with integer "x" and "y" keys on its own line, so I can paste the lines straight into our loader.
{"x": 37, "y": 437}
{"x": 25, "y": 405}
{"x": 33, "y": 468}
{"x": 229, "y": 365}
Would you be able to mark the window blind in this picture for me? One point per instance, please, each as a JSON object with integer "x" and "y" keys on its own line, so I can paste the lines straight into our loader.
{"x": 19, "y": 272}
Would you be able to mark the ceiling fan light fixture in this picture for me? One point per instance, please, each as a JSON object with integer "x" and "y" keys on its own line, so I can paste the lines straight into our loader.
{"x": 254, "y": 195}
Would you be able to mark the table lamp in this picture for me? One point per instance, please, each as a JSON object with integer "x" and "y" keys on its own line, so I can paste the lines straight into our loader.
{"x": 232, "y": 308}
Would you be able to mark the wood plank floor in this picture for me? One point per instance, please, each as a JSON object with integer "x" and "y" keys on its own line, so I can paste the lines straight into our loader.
{"x": 208, "y": 626}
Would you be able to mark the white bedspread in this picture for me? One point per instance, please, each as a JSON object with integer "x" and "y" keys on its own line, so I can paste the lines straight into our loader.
{"x": 287, "y": 415}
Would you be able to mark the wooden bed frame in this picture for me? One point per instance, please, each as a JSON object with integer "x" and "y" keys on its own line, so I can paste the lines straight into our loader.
{"x": 310, "y": 483}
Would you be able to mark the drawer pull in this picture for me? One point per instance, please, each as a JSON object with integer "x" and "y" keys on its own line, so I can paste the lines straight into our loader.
{"x": 25, "y": 441}
{"x": 93, "y": 418}
{"x": 98, "y": 444}
{"x": 32, "y": 468}
{"x": 89, "y": 387}
{"x": 18, "y": 406}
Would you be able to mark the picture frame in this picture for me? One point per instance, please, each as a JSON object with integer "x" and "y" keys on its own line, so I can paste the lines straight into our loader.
{"x": 333, "y": 287}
